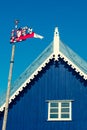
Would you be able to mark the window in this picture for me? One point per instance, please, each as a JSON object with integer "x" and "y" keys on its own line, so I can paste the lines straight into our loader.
{"x": 59, "y": 110}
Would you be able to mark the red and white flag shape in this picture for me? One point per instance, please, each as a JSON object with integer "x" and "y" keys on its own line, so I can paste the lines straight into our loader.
{"x": 23, "y": 34}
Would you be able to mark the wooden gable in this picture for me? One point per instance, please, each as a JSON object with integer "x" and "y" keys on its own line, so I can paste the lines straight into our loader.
{"x": 57, "y": 81}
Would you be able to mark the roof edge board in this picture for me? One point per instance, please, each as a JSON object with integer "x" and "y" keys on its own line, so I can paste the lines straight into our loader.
{"x": 27, "y": 81}
{"x": 73, "y": 66}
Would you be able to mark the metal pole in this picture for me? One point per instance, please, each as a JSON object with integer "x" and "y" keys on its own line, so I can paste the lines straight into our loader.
{"x": 8, "y": 89}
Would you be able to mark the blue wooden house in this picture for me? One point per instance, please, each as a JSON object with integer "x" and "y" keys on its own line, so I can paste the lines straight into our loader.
{"x": 51, "y": 94}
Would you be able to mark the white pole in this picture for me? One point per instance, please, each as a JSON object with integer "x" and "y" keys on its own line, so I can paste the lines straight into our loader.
{"x": 8, "y": 89}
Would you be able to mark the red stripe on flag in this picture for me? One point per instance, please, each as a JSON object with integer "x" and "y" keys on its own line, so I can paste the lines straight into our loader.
{"x": 21, "y": 38}
{"x": 25, "y": 37}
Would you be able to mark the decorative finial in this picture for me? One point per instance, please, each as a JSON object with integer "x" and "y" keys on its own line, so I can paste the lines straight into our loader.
{"x": 56, "y": 43}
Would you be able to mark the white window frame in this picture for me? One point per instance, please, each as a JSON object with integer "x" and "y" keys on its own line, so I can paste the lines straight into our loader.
{"x": 60, "y": 107}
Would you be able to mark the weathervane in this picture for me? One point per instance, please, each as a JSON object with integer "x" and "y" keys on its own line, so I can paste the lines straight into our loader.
{"x": 22, "y": 33}
{"x": 17, "y": 35}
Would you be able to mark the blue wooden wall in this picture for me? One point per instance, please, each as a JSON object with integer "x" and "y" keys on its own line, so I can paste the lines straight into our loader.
{"x": 57, "y": 81}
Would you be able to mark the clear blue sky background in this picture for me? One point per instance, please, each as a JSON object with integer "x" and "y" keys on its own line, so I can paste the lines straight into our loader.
{"x": 42, "y": 15}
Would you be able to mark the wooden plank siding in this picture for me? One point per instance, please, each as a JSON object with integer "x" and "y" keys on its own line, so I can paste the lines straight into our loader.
{"x": 57, "y": 81}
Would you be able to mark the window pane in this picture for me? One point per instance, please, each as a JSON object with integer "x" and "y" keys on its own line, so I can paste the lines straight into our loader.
{"x": 54, "y": 104}
{"x": 53, "y": 115}
{"x": 65, "y": 110}
{"x": 53, "y": 110}
{"x": 65, "y": 104}
{"x": 60, "y": 110}
{"x": 64, "y": 115}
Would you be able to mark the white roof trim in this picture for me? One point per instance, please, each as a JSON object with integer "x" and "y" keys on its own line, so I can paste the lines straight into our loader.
{"x": 27, "y": 81}
{"x": 73, "y": 66}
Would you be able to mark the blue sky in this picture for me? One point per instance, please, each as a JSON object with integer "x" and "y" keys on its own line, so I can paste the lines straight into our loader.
{"x": 69, "y": 15}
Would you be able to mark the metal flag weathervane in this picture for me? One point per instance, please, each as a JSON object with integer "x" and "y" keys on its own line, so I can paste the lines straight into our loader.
{"x": 17, "y": 35}
{"x": 22, "y": 33}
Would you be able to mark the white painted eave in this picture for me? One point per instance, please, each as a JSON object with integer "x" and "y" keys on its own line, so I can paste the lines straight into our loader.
{"x": 73, "y": 66}
{"x": 28, "y": 81}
